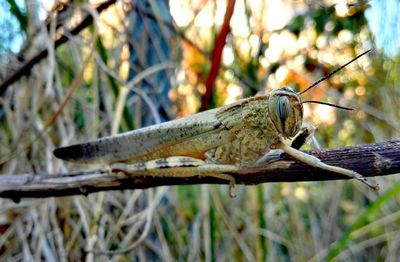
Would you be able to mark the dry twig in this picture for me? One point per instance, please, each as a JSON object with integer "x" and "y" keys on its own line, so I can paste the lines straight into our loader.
{"x": 28, "y": 65}
{"x": 370, "y": 160}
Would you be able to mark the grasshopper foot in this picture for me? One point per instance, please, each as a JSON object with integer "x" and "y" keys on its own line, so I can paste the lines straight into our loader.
{"x": 363, "y": 179}
{"x": 270, "y": 157}
{"x": 232, "y": 189}
{"x": 232, "y": 182}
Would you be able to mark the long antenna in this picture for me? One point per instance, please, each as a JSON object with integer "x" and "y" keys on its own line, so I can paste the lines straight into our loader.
{"x": 333, "y": 72}
{"x": 326, "y": 103}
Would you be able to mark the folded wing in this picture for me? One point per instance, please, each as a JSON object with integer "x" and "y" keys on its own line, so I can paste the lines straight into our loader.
{"x": 190, "y": 136}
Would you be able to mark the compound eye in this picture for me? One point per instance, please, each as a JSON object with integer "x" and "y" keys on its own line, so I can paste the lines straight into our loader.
{"x": 283, "y": 107}
{"x": 288, "y": 88}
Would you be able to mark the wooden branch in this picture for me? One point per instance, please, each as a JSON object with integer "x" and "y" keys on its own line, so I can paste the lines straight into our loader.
{"x": 370, "y": 160}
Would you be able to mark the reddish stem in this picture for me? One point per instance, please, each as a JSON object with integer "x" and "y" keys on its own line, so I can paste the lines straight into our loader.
{"x": 217, "y": 54}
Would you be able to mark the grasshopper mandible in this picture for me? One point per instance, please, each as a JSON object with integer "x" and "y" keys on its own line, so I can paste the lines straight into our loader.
{"x": 210, "y": 143}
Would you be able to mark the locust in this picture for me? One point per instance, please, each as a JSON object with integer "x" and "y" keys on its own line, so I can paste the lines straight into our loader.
{"x": 212, "y": 143}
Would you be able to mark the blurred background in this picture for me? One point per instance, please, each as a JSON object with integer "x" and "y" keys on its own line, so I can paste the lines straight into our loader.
{"x": 144, "y": 62}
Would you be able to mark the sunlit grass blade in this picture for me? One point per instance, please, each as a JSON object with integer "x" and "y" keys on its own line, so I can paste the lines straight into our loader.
{"x": 363, "y": 219}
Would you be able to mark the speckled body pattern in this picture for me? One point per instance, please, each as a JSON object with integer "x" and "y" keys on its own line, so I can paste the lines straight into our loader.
{"x": 211, "y": 143}
{"x": 239, "y": 134}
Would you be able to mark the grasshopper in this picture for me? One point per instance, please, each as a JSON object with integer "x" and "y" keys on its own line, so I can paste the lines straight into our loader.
{"x": 211, "y": 143}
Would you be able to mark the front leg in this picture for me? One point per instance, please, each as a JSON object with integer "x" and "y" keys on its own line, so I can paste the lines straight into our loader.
{"x": 316, "y": 162}
{"x": 304, "y": 135}
{"x": 178, "y": 166}
{"x": 274, "y": 155}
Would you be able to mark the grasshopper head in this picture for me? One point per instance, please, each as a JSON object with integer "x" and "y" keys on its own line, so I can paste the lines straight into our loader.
{"x": 285, "y": 105}
{"x": 286, "y": 111}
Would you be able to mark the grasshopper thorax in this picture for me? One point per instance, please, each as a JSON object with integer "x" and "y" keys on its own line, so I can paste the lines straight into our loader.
{"x": 286, "y": 111}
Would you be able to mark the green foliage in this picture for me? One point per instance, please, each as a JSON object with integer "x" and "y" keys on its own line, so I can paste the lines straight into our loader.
{"x": 20, "y": 14}
{"x": 321, "y": 17}
{"x": 367, "y": 217}
{"x": 296, "y": 25}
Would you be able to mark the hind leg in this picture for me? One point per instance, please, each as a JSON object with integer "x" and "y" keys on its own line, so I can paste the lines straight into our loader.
{"x": 178, "y": 166}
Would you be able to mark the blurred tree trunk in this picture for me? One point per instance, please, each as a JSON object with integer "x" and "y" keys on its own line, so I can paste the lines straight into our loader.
{"x": 149, "y": 45}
